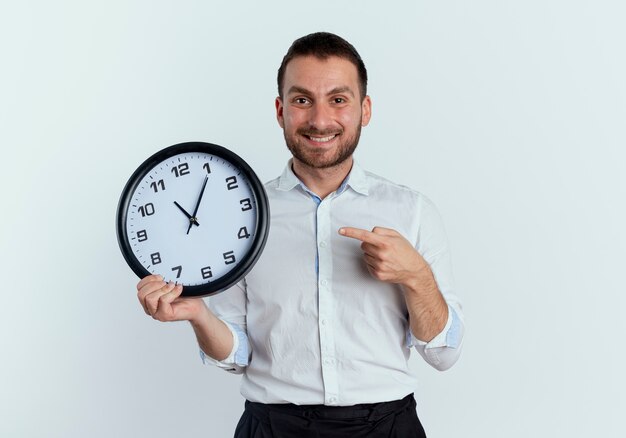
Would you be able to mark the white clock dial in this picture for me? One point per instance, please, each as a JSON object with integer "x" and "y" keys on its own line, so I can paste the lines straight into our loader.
{"x": 187, "y": 234}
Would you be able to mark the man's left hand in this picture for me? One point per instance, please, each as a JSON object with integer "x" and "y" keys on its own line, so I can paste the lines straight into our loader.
{"x": 388, "y": 255}
{"x": 392, "y": 258}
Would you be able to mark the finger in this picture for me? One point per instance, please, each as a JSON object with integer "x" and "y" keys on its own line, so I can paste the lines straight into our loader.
{"x": 371, "y": 261}
{"x": 372, "y": 269}
{"x": 146, "y": 290}
{"x": 360, "y": 234}
{"x": 150, "y": 287}
{"x": 376, "y": 262}
{"x": 164, "y": 305}
{"x": 170, "y": 296}
{"x": 152, "y": 299}
{"x": 382, "y": 231}
{"x": 372, "y": 250}
{"x": 377, "y": 268}
{"x": 147, "y": 279}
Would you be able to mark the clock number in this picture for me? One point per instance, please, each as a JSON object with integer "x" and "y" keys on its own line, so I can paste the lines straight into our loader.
{"x": 181, "y": 169}
{"x": 231, "y": 182}
{"x": 243, "y": 233}
{"x": 142, "y": 236}
{"x": 229, "y": 257}
{"x": 179, "y": 269}
{"x": 146, "y": 210}
{"x": 207, "y": 167}
{"x": 156, "y": 258}
{"x": 206, "y": 272}
{"x": 155, "y": 185}
{"x": 245, "y": 204}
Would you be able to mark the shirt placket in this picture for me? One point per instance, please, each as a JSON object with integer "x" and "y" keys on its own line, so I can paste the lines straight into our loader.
{"x": 326, "y": 314}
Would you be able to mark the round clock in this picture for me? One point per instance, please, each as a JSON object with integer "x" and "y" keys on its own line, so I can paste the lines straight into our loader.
{"x": 195, "y": 213}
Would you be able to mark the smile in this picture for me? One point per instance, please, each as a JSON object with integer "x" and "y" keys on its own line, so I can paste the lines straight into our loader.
{"x": 321, "y": 139}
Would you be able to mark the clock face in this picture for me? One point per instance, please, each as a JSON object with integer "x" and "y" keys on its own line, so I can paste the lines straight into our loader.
{"x": 196, "y": 214}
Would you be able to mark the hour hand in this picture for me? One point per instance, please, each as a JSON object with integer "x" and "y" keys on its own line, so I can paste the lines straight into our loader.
{"x": 190, "y": 217}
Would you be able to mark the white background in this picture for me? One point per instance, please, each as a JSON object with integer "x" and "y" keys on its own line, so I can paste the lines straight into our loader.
{"x": 509, "y": 115}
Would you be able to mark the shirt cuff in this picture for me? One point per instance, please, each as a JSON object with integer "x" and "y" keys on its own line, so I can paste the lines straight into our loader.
{"x": 450, "y": 336}
{"x": 238, "y": 358}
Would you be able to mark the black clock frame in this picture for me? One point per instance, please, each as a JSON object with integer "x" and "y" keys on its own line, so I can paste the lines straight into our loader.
{"x": 262, "y": 217}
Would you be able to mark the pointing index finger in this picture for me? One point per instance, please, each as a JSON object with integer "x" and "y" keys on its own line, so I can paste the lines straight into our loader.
{"x": 360, "y": 234}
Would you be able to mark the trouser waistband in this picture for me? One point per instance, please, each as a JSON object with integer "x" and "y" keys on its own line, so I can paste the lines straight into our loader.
{"x": 371, "y": 411}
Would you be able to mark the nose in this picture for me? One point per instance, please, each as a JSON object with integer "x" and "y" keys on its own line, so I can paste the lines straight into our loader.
{"x": 320, "y": 116}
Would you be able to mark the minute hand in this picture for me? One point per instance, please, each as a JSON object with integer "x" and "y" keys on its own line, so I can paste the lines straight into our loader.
{"x": 195, "y": 211}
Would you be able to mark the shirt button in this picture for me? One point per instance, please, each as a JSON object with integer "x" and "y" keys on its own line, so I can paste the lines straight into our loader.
{"x": 324, "y": 321}
{"x": 324, "y": 282}
{"x": 323, "y": 244}
{"x": 332, "y": 399}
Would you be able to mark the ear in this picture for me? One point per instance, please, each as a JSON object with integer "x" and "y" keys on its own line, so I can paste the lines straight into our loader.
{"x": 279, "y": 112}
{"x": 366, "y": 111}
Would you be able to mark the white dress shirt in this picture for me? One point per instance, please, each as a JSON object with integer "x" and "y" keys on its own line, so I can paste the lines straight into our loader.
{"x": 310, "y": 324}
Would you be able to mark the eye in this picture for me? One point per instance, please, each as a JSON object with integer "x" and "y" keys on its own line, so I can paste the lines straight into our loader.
{"x": 339, "y": 100}
{"x": 301, "y": 100}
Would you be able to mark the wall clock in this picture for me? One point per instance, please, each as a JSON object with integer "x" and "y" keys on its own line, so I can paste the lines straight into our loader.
{"x": 195, "y": 213}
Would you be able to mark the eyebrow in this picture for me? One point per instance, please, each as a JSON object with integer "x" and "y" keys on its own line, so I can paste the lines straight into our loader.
{"x": 337, "y": 90}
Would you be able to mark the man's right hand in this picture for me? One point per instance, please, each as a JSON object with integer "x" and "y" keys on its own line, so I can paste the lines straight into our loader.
{"x": 163, "y": 302}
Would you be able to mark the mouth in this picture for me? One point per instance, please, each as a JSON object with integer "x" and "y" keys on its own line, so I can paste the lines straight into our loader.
{"x": 321, "y": 140}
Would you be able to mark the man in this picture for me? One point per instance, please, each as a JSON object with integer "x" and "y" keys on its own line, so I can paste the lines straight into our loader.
{"x": 356, "y": 270}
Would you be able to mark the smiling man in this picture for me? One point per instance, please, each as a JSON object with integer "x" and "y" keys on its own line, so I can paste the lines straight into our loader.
{"x": 356, "y": 272}
{"x": 321, "y": 109}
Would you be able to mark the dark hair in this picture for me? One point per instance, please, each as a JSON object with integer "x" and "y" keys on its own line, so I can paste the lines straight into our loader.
{"x": 324, "y": 45}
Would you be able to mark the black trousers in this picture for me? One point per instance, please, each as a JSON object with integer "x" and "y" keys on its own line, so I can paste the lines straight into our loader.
{"x": 395, "y": 419}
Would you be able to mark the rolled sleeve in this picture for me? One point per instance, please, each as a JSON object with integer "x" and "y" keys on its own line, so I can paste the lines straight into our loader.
{"x": 444, "y": 349}
{"x": 230, "y": 307}
{"x": 238, "y": 358}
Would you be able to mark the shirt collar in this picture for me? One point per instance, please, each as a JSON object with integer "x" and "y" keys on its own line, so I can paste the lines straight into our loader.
{"x": 356, "y": 179}
{"x": 288, "y": 180}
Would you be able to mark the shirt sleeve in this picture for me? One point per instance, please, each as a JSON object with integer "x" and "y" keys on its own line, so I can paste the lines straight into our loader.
{"x": 230, "y": 307}
{"x": 444, "y": 349}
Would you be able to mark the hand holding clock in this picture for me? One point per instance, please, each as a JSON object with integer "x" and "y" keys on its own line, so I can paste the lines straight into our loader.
{"x": 163, "y": 302}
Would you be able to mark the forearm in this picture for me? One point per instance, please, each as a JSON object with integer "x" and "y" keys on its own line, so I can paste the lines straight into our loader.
{"x": 428, "y": 311}
{"x": 214, "y": 337}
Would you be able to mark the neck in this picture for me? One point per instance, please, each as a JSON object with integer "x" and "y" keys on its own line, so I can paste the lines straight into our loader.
{"x": 322, "y": 182}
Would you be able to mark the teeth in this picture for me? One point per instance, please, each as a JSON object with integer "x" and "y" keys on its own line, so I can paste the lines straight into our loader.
{"x": 322, "y": 139}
